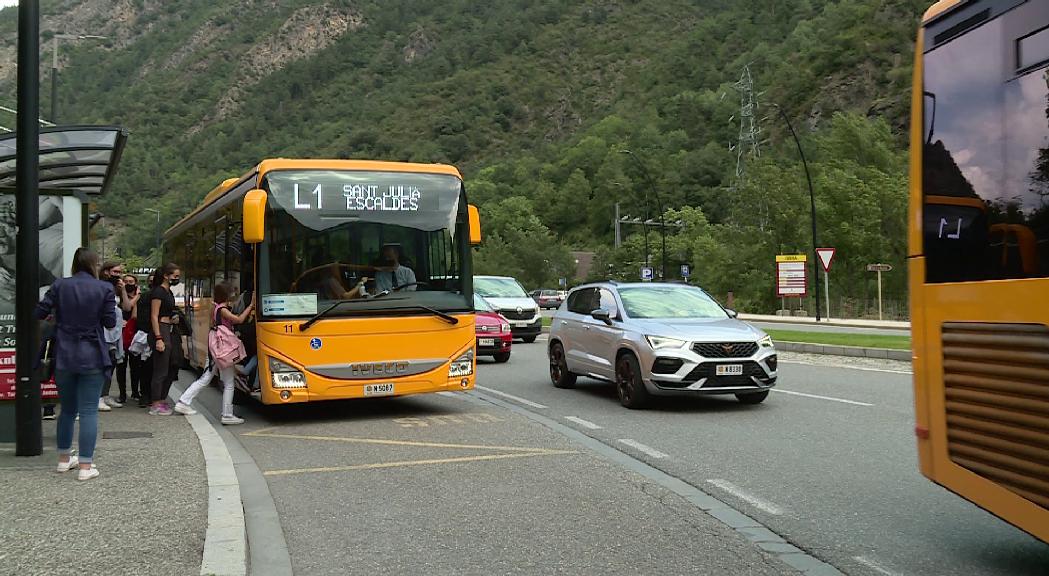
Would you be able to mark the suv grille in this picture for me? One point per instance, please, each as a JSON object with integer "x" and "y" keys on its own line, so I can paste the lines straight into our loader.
{"x": 996, "y": 382}
{"x": 515, "y": 315}
{"x": 725, "y": 349}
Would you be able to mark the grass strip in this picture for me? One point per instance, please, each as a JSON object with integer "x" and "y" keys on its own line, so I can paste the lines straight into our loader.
{"x": 842, "y": 339}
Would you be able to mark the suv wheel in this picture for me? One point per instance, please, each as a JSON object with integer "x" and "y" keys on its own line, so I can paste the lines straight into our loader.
{"x": 559, "y": 373}
{"x": 629, "y": 386}
{"x": 756, "y": 398}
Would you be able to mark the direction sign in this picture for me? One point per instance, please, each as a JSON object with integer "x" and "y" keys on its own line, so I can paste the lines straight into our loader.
{"x": 826, "y": 257}
{"x": 647, "y": 273}
{"x": 791, "y": 279}
{"x": 879, "y": 267}
{"x": 686, "y": 270}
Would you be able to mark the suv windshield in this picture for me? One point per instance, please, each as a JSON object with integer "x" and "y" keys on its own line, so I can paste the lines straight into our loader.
{"x": 669, "y": 302}
{"x": 499, "y": 288}
{"x": 351, "y": 235}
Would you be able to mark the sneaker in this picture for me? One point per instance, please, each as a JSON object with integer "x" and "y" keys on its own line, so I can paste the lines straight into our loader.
{"x": 66, "y": 467}
{"x": 143, "y": 402}
{"x": 88, "y": 474}
{"x": 49, "y": 414}
{"x": 160, "y": 409}
{"x": 231, "y": 420}
{"x": 103, "y": 407}
{"x": 122, "y": 400}
{"x": 111, "y": 402}
{"x": 184, "y": 409}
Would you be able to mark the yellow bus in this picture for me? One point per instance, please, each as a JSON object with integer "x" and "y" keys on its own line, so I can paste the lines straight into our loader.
{"x": 979, "y": 254}
{"x": 361, "y": 272}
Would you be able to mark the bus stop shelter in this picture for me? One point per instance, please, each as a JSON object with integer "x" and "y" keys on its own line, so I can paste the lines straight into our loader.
{"x": 77, "y": 165}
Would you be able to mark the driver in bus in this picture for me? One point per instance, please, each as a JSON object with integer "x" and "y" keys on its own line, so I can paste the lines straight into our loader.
{"x": 391, "y": 274}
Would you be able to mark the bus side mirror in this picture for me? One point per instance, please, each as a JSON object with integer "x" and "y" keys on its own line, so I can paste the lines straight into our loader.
{"x": 254, "y": 216}
{"x": 475, "y": 225}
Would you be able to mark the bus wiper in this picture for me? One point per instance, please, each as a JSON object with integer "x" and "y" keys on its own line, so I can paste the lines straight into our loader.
{"x": 446, "y": 317}
{"x": 306, "y": 325}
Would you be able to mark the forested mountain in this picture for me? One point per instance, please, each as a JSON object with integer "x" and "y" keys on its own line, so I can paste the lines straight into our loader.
{"x": 533, "y": 100}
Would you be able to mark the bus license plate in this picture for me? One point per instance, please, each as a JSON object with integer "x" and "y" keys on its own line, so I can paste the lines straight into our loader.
{"x": 378, "y": 389}
{"x": 486, "y": 342}
{"x": 729, "y": 370}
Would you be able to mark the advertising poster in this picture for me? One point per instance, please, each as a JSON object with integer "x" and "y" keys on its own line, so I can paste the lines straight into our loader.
{"x": 52, "y": 260}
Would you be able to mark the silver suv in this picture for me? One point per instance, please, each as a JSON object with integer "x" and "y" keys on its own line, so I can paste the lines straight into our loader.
{"x": 656, "y": 339}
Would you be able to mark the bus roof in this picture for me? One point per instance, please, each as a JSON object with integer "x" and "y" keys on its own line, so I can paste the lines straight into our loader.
{"x": 940, "y": 8}
{"x": 313, "y": 164}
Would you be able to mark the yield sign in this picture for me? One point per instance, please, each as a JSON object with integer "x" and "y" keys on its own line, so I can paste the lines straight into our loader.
{"x": 826, "y": 256}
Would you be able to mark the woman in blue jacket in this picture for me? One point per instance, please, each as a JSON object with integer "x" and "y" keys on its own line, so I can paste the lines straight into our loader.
{"x": 82, "y": 306}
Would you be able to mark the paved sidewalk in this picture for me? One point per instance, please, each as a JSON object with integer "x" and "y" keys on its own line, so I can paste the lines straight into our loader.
{"x": 145, "y": 514}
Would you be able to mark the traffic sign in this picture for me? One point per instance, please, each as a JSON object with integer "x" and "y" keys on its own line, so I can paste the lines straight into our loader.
{"x": 647, "y": 273}
{"x": 686, "y": 270}
{"x": 791, "y": 279}
{"x": 563, "y": 282}
{"x": 879, "y": 267}
{"x": 826, "y": 257}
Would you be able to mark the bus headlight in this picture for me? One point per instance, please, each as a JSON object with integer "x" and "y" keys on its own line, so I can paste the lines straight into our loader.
{"x": 462, "y": 366}
{"x": 286, "y": 376}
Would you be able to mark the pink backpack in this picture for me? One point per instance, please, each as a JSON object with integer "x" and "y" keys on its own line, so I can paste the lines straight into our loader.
{"x": 225, "y": 348}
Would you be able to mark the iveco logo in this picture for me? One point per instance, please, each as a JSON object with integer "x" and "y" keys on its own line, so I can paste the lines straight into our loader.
{"x": 378, "y": 368}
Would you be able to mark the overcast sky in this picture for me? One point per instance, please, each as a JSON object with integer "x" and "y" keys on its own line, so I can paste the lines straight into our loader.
{"x": 6, "y": 3}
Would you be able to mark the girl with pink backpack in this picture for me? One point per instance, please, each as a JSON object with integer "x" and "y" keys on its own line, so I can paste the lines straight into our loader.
{"x": 224, "y": 351}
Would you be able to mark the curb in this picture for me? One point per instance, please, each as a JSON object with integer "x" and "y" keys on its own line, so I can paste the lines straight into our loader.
{"x": 853, "y": 351}
{"x": 225, "y": 544}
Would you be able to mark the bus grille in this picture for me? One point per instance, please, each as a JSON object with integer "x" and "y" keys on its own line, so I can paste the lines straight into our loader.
{"x": 996, "y": 380}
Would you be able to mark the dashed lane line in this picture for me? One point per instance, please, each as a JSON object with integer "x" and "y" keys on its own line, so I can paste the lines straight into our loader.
{"x": 875, "y": 566}
{"x": 583, "y": 423}
{"x": 818, "y": 397}
{"x": 511, "y": 397}
{"x": 643, "y": 448}
{"x": 759, "y": 503}
{"x": 402, "y": 463}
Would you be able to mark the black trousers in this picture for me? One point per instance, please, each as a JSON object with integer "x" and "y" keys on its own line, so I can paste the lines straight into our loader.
{"x": 133, "y": 364}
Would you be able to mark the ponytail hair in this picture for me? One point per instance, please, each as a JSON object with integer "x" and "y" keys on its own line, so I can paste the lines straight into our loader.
{"x": 158, "y": 276}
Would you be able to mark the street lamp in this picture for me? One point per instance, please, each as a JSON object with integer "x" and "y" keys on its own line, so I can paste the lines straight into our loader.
{"x": 812, "y": 203}
{"x": 54, "y": 65}
{"x": 157, "y": 212}
{"x": 659, "y": 205}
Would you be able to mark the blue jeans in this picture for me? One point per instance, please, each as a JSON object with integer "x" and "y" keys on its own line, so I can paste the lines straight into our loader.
{"x": 78, "y": 392}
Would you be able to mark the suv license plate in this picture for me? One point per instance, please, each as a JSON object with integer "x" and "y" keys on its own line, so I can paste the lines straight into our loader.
{"x": 729, "y": 370}
{"x": 378, "y": 389}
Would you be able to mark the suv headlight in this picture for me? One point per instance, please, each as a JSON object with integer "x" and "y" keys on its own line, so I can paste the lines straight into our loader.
{"x": 663, "y": 343}
{"x": 462, "y": 366}
{"x": 766, "y": 342}
{"x": 283, "y": 375}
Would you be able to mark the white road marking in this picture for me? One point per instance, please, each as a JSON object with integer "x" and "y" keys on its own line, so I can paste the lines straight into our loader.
{"x": 848, "y": 367}
{"x": 642, "y": 448}
{"x": 511, "y": 396}
{"x": 875, "y": 566}
{"x": 842, "y": 400}
{"x": 583, "y": 423}
{"x": 448, "y": 394}
{"x": 760, "y": 504}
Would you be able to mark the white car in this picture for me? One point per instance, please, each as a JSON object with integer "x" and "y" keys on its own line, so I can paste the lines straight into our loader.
{"x": 509, "y": 299}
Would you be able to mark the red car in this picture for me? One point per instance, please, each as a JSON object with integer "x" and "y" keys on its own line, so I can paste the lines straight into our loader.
{"x": 493, "y": 332}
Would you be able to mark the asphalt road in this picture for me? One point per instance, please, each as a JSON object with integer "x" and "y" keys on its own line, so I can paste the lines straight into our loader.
{"x": 454, "y": 484}
{"x": 828, "y": 462}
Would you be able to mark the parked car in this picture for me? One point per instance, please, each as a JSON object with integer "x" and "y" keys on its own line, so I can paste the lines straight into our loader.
{"x": 494, "y": 337}
{"x": 508, "y": 298}
{"x": 659, "y": 339}
{"x": 547, "y": 298}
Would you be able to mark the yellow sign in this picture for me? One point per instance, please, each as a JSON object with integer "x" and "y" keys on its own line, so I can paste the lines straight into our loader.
{"x": 791, "y": 258}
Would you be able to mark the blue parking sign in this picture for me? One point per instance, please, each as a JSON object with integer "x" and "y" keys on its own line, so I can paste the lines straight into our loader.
{"x": 686, "y": 270}
{"x": 647, "y": 273}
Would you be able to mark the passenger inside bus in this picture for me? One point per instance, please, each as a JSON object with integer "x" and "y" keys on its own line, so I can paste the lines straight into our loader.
{"x": 331, "y": 287}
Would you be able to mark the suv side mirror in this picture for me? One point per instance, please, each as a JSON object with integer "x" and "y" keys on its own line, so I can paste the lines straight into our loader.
{"x": 602, "y": 315}
{"x": 731, "y": 313}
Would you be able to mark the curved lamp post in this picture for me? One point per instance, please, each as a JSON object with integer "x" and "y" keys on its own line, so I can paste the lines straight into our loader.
{"x": 812, "y": 204}
{"x": 659, "y": 205}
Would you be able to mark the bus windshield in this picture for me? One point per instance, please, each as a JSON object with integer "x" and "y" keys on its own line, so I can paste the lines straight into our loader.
{"x": 376, "y": 240}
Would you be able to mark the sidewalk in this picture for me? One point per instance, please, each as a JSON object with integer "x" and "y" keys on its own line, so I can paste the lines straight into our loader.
{"x": 146, "y": 514}
{"x": 855, "y": 323}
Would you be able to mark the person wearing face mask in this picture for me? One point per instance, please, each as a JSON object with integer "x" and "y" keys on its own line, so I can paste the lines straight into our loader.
{"x": 161, "y": 318}
{"x": 113, "y": 273}
{"x": 130, "y": 362}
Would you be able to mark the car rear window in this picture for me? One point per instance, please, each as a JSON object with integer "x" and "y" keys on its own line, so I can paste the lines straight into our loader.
{"x": 669, "y": 302}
